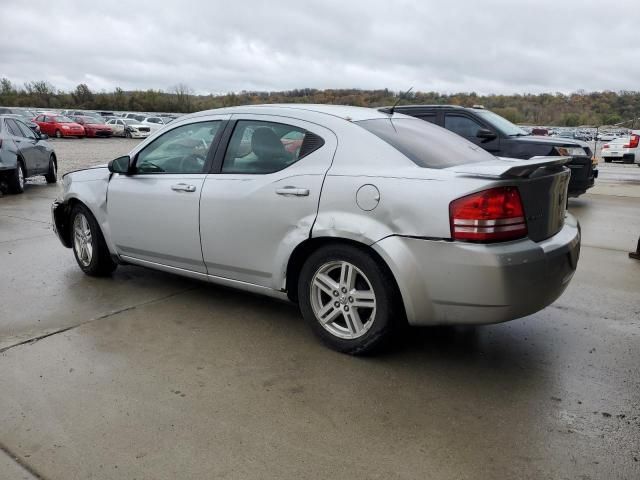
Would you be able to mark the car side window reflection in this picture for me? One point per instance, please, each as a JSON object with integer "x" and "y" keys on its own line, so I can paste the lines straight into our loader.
{"x": 13, "y": 127}
{"x": 26, "y": 131}
{"x": 258, "y": 147}
{"x": 181, "y": 150}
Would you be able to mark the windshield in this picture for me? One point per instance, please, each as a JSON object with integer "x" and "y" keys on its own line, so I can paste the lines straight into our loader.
{"x": 61, "y": 119}
{"x": 425, "y": 144}
{"x": 130, "y": 121}
{"x": 501, "y": 123}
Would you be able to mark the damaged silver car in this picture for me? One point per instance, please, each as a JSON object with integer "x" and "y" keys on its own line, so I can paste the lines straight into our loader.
{"x": 365, "y": 219}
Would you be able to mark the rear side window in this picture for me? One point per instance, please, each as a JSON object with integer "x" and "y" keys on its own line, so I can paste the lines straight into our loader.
{"x": 428, "y": 117}
{"x": 426, "y": 145}
{"x": 258, "y": 147}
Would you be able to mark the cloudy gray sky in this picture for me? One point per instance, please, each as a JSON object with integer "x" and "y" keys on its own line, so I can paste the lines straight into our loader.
{"x": 215, "y": 46}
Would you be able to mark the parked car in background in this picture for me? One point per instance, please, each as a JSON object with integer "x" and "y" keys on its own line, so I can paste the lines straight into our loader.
{"x": 59, "y": 126}
{"x": 93, "y": 126}
{"x": 542, "y": 132}
{"x": 31, "y": 124}
{"x": 128, "y": 127}
{"x": 375, "y": 219}
{"x": 23, "y": 154}
{"x": 154, "y": 123}
{"x": 606, "y": 136}
{"x": 499, "y": 136}
{"x": 624, "y": 149}
{"x": 22, "y": 114}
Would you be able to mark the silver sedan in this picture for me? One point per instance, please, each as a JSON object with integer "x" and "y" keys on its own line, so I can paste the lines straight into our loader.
{"x": 364, "y": 219}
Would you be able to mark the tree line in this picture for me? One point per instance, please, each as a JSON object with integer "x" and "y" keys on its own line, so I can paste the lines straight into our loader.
{"x": 579, "y": 108}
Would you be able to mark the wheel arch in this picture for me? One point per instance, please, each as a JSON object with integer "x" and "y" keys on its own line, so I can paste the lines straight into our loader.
{"x": 307, "y": 247}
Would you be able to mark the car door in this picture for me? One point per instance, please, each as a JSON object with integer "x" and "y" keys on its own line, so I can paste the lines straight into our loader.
{"x": 153, "y": 213}
{"x": 263, "y": 199}
{"x": 117, "y": 126}
{"x": 40, "y": 149}
{"x": 26, "y": 147}
{"x": 468, "y": 127}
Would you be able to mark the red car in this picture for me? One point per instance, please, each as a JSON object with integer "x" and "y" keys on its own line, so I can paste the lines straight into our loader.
{"x": 59, "y": 126}
{"x": 93, "y": 127}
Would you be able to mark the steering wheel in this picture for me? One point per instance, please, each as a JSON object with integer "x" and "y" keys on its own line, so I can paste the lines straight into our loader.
{"x": 196, "y": 161}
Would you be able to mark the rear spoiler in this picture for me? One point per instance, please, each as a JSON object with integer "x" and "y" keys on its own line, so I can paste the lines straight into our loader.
{"x": 513, "y": 168}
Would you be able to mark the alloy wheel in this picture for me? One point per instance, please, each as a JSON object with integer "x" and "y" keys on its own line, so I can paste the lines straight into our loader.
{"x": 343, "y": 300}
{"x": 20, "y": 176}
{"x": 82, "y": 241}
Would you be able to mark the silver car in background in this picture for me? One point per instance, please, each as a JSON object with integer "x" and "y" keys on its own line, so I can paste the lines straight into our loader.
{"x": 365, "y": 219}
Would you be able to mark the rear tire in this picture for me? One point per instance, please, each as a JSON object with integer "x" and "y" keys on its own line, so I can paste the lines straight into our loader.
{"x": 52, "y": 174}
{"x": 17, "y": 178}
{"x": 88, "y": 244}
{"x": 348, "y": 299}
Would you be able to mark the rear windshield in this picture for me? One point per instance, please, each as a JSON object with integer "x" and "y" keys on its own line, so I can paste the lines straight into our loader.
{"x": 425, "y": 144}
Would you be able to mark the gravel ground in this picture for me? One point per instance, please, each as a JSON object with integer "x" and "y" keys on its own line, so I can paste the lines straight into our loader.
{"x": 74, "y": 153}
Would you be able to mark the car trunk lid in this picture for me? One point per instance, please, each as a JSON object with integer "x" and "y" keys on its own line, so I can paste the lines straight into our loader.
{"x": 542, "y": 183}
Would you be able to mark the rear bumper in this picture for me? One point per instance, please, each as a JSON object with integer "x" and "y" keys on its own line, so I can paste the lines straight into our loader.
{"x": 444, "y": 282}
{"x": 583, "y": 175}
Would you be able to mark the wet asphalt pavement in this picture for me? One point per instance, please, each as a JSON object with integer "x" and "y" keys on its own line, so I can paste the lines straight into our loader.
{"x": 151, "y": 376}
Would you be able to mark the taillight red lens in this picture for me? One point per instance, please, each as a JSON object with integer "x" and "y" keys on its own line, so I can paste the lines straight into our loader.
{"x": 606, "y": 145}
{"x": 493, "y": 215}
{"x": 633, "y": 142}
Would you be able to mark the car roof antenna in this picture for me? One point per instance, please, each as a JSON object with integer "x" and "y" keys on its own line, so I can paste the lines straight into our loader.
{"x": 392, "y": 109}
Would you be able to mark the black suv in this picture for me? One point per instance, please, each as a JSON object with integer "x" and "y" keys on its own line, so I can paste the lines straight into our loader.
{"x": 502, "y": 138}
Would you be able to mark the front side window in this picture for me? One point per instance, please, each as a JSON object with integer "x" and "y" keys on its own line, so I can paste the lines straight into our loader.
{"x": 258, "y": 147}
{"x": 12, "y": 126}
{"x": 463, "y": 126}
{"x": 181, "y": 150}
{"x": 26, "y": 131}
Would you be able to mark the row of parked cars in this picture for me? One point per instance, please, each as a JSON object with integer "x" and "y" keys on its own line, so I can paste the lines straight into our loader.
{"x": 82, "y": 123}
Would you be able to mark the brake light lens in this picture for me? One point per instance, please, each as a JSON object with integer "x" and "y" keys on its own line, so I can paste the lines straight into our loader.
{"x": 606, "y": 145}
{"x": 633, "y": 142}
{"x": 494, "y": 215}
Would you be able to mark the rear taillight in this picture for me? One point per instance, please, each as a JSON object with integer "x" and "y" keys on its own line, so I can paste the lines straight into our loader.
{"x": 606, "y": 145}
{"x": 493, "y": 215}
{"x": 633, "y": 142}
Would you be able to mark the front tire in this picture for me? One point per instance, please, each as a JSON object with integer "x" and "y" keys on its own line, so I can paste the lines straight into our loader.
{"x": 348, "y": 299}
{"x": 16, "y": 180}
{"x": 58, "y": 134}
{"x": 88, "y": 243}
{"x": 127, "y": 134}
{"x": 52, "y": 175}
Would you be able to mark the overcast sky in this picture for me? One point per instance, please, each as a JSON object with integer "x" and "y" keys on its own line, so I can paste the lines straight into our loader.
{"x": 213, "y": 46}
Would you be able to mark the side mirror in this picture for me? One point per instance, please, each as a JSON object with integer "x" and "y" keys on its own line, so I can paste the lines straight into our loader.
{"x": 42, "y": 136}
{"x": 486, "y": 134}
{"x": 120, "y": 165}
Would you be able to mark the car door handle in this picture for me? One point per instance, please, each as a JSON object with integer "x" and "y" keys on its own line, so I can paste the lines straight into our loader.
{"x": 183, "y": 187}
{"x": 298, "y": 192}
